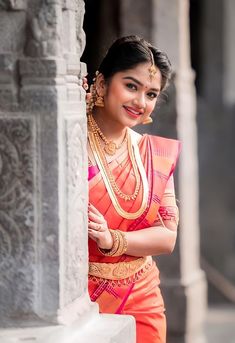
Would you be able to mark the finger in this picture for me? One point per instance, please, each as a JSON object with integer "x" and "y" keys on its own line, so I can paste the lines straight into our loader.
{"x": 96, "y": 227}
{"x": 95, "y": 218}
{"x": 94, "y": 209}
{"x": 93, "y": 234}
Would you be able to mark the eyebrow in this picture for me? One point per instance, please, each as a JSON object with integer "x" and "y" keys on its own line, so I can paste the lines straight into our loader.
{"x": 139, "y": 83}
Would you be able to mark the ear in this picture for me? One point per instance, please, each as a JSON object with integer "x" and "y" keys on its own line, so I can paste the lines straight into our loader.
{"x": 100, "y": 85}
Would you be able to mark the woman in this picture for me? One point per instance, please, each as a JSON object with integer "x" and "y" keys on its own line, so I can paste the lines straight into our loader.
{"x": 132, "y": 210}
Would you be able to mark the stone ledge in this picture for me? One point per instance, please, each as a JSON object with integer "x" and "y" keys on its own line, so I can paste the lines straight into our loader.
{"x": 106, "y": 328}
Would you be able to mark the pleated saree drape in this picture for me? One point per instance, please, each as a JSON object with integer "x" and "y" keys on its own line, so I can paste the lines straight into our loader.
{"x": 137, "y": 294}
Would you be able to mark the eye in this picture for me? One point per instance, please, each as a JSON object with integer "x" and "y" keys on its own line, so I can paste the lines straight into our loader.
{"x": 152, "y": 95}
{"x": 131, "y": 86}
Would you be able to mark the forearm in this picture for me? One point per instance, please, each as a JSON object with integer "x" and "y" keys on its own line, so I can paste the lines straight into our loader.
{"x": 151, "y": 241}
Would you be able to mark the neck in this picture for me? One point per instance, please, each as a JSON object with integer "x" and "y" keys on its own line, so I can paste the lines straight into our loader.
{"x": 111, "y": 129}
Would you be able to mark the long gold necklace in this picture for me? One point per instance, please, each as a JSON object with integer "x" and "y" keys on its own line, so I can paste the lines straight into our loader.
{"x": 115, "y": 187}
{"x": 109, "y": 183}
{"x": 110, "y": 147}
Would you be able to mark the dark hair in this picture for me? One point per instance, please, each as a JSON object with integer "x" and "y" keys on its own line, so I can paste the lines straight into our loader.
{"x": 126, "y": 52}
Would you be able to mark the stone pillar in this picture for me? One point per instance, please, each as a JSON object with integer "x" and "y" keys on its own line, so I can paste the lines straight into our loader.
{"x": 211, "y": 64}
{"x": 183, "y": 282}
{"x": 229, "y": 51}
{"x": 135, "y": 18}
{"x": 43, "y": 173}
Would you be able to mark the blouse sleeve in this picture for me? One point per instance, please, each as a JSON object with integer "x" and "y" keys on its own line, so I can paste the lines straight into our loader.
{"x": 168, "y": 209}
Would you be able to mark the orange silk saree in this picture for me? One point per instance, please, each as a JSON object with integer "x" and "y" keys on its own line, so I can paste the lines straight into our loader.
{"x": 127, "y": 284}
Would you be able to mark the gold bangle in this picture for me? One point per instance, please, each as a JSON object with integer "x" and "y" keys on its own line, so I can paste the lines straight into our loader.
{"x": 122, "y": 248}
{"x": 113, "y": 250}
{"x": 119, "y": 244}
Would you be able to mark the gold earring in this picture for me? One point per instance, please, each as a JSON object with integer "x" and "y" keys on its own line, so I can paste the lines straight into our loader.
{"x": 99, "y": 101}
{"x": 148, "y": 120}
{"x": 91, "y": 99}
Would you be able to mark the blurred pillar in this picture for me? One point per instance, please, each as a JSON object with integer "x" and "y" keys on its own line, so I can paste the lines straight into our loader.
{"x": 43, "y": 173}
{"x": 229, "y": 52}
{"x": 211, "y": 46}
{"x": 183, "y": 282}
{"x": 185, "y": 285}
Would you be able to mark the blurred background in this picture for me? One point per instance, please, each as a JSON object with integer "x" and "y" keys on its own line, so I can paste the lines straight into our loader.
{"x": 212, "y": 51}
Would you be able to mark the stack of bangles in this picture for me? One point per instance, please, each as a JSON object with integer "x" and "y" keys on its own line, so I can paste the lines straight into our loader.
{"x": 119, "y": 244}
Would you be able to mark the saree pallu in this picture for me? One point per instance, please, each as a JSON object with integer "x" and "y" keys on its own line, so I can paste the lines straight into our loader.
{"x": 138, "y": 294}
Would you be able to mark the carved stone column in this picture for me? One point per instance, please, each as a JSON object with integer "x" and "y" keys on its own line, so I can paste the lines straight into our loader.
{"x": 43, "y": 179}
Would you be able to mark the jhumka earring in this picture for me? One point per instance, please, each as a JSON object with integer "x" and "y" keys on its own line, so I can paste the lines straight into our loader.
{"x": 99, "y": 101}
{"x": 95, "y": 99}
{"x": 148, "y": 120}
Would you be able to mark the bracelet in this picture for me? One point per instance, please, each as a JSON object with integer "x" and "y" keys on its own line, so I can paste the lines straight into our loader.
{"x": 113, "y": 250}
{"x": 119, "y": 244}
{"x": 122, "y": 248}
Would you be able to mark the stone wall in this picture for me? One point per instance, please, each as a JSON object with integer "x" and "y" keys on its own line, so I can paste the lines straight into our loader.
{"x": 43, "y": 179}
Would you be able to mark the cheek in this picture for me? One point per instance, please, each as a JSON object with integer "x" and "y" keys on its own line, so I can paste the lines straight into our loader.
{"x": 150, "y": 107}
{"x": 120, "y": 92}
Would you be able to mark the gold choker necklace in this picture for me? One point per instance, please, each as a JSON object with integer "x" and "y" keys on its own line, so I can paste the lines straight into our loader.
{"x": 108, "y": 178}
{"x": 110, "y": 147}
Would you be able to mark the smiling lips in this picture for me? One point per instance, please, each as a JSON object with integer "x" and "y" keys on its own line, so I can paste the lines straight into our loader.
{"x": 133, "y": 112}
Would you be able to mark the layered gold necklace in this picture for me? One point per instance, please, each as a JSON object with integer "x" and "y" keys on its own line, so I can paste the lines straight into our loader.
{"x": 111, "y": 185}
{"x": 110, "y": 147}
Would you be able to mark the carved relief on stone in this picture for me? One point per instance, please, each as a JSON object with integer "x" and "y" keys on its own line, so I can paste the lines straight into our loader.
{"x": 76, "y": 245}
{"x": 81, "y": 39}
{"x": 45, "y": 26}
{"x": 16, "y": 216}
{"x": 12, "y": 31}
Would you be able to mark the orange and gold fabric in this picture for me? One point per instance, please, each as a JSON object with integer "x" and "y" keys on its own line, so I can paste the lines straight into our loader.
{"x": 127, "y": 284}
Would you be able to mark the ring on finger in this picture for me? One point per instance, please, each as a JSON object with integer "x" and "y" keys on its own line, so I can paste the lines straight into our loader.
{"x": 98, "y": 227}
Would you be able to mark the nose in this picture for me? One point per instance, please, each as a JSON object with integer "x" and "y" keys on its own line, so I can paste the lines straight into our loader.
{"x": 140, "y": 101}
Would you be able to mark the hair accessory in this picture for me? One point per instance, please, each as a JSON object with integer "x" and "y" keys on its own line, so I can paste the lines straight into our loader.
{"x": 152, "y": 68}
{"x": 148, "y": 120}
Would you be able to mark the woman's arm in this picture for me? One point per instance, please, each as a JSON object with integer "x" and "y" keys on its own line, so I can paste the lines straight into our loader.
{"x": 161, "y": 237}
{"x": 156, "y": 240}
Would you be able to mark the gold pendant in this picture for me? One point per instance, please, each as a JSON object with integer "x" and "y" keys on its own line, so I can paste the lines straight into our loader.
{"x": 110, "y": 148}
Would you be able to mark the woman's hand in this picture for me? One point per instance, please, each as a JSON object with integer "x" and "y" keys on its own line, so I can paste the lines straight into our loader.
{"x": 86, "y": 87}
{"x": 98, "y": 229}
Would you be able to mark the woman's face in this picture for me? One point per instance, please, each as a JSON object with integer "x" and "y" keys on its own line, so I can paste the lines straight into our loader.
{"x": 131, "y": 95}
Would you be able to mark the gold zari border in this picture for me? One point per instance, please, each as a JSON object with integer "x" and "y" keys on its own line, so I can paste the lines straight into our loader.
{"x": 119, "y": 270}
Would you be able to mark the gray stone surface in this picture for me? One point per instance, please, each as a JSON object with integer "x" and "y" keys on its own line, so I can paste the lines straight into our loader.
{"x": 229, "y": 50}
{"x": 136, "y": 18}
{"x": 17, "y": 220}
{"x": 102, "y": 329}
{"x": 189, "y": 293}
{"x": 43, "y": 179}
{"x": 220, "y": 324}
{"x": 216, "y": 138}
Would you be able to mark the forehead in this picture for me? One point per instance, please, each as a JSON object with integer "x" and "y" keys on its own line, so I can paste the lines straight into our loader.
{"x": 141, "y": 73}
